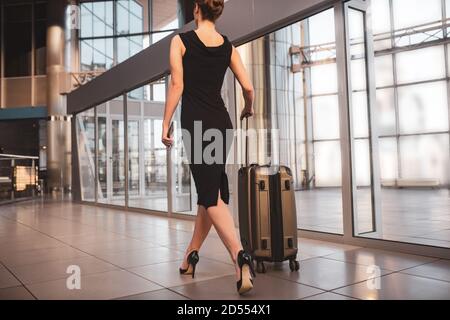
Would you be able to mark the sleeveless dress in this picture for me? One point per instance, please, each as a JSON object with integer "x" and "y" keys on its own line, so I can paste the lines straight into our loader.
{"x": 203, "y": 74}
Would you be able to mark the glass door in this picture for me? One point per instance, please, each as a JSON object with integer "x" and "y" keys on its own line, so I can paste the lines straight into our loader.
{"x": 365, "y": 179}
{"x": 133, "y": 158}
{"x": 297, "y": 115}
{"x": 102, "y": 154}
{"x": 117, "y": 161}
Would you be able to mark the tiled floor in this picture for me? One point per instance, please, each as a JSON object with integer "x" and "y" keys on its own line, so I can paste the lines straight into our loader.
{"x": 124, "y": 255}
{"x": 409, "y": 215}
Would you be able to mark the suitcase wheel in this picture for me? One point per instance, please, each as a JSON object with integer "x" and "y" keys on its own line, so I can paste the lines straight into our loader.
{"x": 260, "y": 267}
{"x": 294, "y": 265}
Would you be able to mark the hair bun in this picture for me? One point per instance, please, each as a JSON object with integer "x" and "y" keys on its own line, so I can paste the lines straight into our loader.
{"x": 211, "y": 9}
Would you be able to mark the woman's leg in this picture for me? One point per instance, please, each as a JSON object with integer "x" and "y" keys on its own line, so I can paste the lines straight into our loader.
{"x": 223, "y": 222}
{"x": 202, "y": 226}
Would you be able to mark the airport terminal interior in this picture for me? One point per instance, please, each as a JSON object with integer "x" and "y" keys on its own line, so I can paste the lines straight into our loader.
{"x": 353, "y": 96}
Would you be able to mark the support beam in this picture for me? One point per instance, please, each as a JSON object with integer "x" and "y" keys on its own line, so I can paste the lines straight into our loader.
{"x": 58, "y": 125}
{"x": 242, "y": 21}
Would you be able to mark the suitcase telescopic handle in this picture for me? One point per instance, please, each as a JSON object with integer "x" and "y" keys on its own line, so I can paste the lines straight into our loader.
{"x": 246, "y": 144}
{"x": 246, "y": 141}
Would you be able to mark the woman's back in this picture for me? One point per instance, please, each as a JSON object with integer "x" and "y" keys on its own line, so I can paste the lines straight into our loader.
{"x": 204, "y": 66}
{"x": 204, "y": 69}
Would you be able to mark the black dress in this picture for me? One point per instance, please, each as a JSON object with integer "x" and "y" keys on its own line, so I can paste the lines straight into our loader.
{"x": 202, "y": 104}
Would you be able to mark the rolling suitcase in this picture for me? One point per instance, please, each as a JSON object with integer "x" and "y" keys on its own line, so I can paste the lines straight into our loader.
{"x": 267, "y": 214}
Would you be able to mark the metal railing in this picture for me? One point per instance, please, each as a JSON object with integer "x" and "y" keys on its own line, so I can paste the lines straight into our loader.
{"x": 409, "y": 38}
{"x": 18, "y": 177}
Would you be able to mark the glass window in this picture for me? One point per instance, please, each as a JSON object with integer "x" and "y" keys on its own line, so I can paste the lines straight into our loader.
{"x": 136, "y": 8}
{"x": 123, "y": 17}
{"x": 358, "y": 74}
{"x": 325, "y": 117}
{"x": 135, "y": 24}
{"x": 128, "y": 46}
{"x": 159, "y": 91}
{"x": 413, "y": 158}
{"x": 111, "y": 152}
{"x": 385, "y": 112}
{"x": 130, "y": 16}
{"x": 448, "y": 57}
{"x": 106, "y": 19}
{"x": 384, "y": 73}
{"x": 155, "y": 166}
{"x": 420, "y": 65}
{"x": 314, "y": 159}
{"x": 425, "y": 157}
{"x": 447, "y": 8}
{"x": 420, "y": 37}
{"x": 103, "y": 163}
{"x": 408, "y": 13}
{"x": 321, "y": 72}
{"x": 136, "y": 17}
{"x": 86, "y": 24}
{"x": 134, "y": 146}
{"x": 17, "y": 40}
{"x": 447, "y": 13}
{"x": 423, "y": 108}
{"x": 123, "y": 49}
{"x": 85, "y": 125}
{"x": 381, "y": 21}
{"x": 96, "y": 19}
{"x": 362, "y": 178}
{"x": 327, "y": 164}
{"x": 117, "y": 143}
{"x": 102, "y": 23}
{"x": 420, "y": 16}
{"x": 96, "y": 54}
{"x": 362, "y": 164}
{"x": 147, "y": 185}
{"x": 86, "y": 55}
{"x": 102, "y": 53}
{"x": 321, "y": 28}
{"x": 360, "y": 116}
{"x": 388, "y": 159}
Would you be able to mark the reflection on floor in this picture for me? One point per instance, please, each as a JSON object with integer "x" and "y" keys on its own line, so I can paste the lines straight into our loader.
{"x": 416, "y": 216}
{"x": 124, "y": 255}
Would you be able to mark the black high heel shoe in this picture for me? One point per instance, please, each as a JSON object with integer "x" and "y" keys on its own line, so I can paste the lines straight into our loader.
{"x": 192, "y": 259}
{"x": 244, "y": 261}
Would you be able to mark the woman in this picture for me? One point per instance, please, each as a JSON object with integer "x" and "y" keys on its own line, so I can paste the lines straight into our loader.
{"x": 198, "y": 62}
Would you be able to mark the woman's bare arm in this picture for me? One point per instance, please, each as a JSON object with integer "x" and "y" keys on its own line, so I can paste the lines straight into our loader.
{"x": 175, "y": 89}
{"x": 243, "y": 78}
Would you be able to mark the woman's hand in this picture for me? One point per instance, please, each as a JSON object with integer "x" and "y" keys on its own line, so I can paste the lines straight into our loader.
{"x": 247, "y": 112}
{"x": 166, "y": 140}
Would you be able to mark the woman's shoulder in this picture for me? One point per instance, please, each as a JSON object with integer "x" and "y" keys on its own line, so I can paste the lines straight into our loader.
{"x": 185, "y": 36}
{"x": 227, "y": 42}
{"x": 226, "y": 39}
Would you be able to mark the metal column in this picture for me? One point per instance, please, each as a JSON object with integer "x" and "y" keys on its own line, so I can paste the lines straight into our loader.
{"x": 58, "y": 127}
